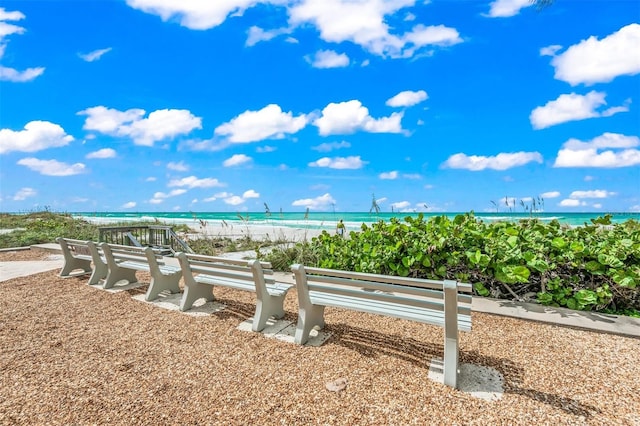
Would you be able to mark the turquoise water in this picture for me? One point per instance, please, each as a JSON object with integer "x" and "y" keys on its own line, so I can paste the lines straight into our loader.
{"x": 320, "y": 220}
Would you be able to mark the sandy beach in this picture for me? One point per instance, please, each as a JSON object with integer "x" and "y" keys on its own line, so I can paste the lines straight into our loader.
{"x": 237, "y": 229}
{"x": 75, "y": 354}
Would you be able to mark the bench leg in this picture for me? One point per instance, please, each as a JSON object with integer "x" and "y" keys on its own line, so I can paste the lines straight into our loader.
{"x": 194, "y": 291}
{"x": 450, "y": 334}
{"x": 308, "y": 317}
{"x": 272, "y": 306}
{"x": 100, "y": 272}
{"x": 161, "y": 283}
{"x": 71, "y": 264}
{"x": 119, "y": 274}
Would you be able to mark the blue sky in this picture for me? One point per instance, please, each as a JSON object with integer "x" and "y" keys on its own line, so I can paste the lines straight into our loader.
{"x": 177, "y": 105}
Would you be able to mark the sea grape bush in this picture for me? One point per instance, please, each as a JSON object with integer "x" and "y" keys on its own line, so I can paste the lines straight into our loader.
{"x": 590, "y": 267}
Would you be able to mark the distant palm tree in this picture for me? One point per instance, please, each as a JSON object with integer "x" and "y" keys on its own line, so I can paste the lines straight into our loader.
{"x": 374, "y": 205}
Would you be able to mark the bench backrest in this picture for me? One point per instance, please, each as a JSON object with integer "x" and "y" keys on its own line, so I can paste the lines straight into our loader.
{"x": 115, "y": 254}
{"x": 72, "y": 247}
{"x": 254, "y": 271}
{"x": 428, "y": 294}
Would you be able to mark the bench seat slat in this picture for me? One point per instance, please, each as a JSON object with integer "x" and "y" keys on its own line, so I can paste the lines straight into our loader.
{"x": 195, "y": 259}
{"x": 396, "y": 310}
{"x": 196, "y": 265}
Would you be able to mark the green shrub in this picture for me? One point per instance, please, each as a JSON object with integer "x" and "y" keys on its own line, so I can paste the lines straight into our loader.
{"x": 43, "y": 227}
{"x": 590, "y": 267}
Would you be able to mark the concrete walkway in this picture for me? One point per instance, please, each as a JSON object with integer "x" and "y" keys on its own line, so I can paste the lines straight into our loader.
{"x": 627, "y": 326}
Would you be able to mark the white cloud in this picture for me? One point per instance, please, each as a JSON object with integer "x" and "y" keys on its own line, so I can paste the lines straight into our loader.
{"x": 177, "y": 167}
{"x": 36, "y": 136}
{"x": 250, "y": 194}
{"x": 364, "y": 23}
{"x": 323, "y": 202}
{"x": 389, "y": 175}
{"x": 352, "y": 162}
{"x": 550, "y": 194}
{"x": 400, "y": 205}
{"x": 359, "y": 22}
{"x": 568, "y": 202}
{"x": 159, "y": 125}
{"x": 572, "y": 107}
{"x": 236, "y": 160}
{"x": 129, "y": 205}
{"x": 194, "y": 182}
{"x": 351, "y": 116}
{"x": 600, "y": 61}
{"x": 159, "y": 197}
{"x": 52, "y": 167}
{"x": 7, "y": 29}
{"x": 328, "y": 59}
{"x": 102, "y": 153}
{"x": 597, "y": 205}
{"x": 330, "y": 146}
{"x": 268, "y": 123}
{"x": 407, "y": 98}
{"x": 502, "y": 161}
{"x": 550, "y": 50}
{"x": 256, "y": 34}
{"x": 15, "y": 76}
{"x": 507, "y": 8}
{"x": 195, "y": 15}
{"x": 596, "y": 193}
{"x": 24, "y": 193}
{"x": 635, "y": 208}
{"x": 609, "y": 150}
{"x": 234, "y": 200}
{"x": 95, "y": 55}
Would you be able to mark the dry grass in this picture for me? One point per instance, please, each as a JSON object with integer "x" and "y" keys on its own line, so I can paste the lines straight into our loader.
{"x": 72, "y": 354}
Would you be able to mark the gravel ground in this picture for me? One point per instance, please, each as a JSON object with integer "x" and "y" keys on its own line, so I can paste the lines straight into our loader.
{"x": 72, "y": 354}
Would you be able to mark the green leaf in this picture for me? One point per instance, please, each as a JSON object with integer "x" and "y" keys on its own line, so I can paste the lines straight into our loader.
{"x": 545, "y": 298}
{"x": 585, "y": 298}
{"x": 426, "y": 262}
{"x": 558, "y": 243}
{"x": 481, "y": 289}
{"x": 577, "y": 247}
{"x": 522, "y": 273}
{"x": 593, "y": 266}
{"x": 403, "y": 272}
{"x": 512, "y": 241}
{"x": 607, "y": 259}
{"x": 511, "y": 231}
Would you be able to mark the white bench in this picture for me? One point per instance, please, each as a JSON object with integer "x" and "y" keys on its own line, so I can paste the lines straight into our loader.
{"x": 427, "y": 301}
{"x": 201, "y": 273}
{"x": 124, "y": 261}
{"x": 84, "y": 255}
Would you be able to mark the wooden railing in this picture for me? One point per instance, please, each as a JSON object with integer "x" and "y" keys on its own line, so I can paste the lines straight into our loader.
{"x": 161, "y": 238}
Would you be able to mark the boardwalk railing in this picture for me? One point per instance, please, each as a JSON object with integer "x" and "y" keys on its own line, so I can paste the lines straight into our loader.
{"x": 161, "y": 238}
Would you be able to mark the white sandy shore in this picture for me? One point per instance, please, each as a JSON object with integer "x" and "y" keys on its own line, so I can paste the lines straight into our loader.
{"x": 236, "y": 230}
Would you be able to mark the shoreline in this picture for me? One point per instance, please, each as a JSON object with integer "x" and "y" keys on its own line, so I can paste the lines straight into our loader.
{"x": 237, "y": 230}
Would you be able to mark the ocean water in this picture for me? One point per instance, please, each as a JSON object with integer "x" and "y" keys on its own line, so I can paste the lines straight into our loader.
{"x": 328, "y": 220}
